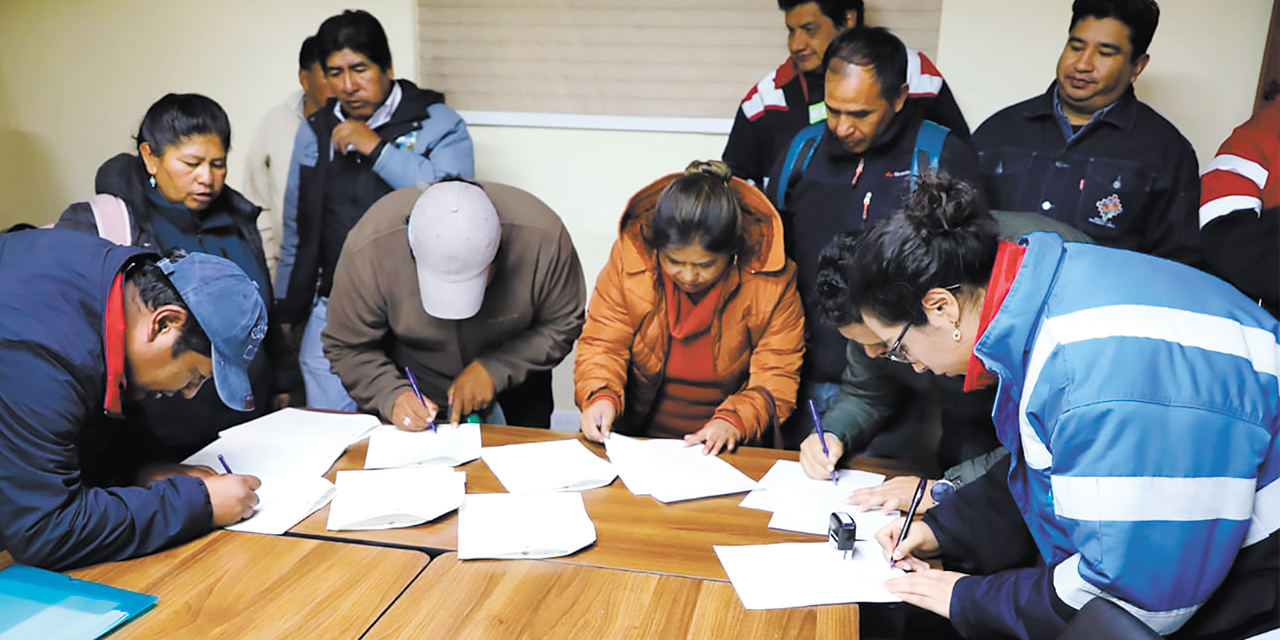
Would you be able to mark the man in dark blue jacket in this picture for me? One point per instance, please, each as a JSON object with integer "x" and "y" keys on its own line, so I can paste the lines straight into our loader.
{"x": 84, "y": 322}
{"x": 859, "y": 172}
{"x": 1088, "y": 153}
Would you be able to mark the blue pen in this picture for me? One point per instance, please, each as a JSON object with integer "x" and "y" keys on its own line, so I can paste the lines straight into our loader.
{"x": 822, "y": 437}
{"x": 224, "y": 463}
{"x": 413, "y": 382}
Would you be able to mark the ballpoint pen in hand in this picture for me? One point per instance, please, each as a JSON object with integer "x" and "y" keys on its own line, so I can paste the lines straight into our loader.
{"x": 822, "y": 437}
{"x": 911, "y": 514}
{"x": 224, "y": 463}
{"x": 413, "y": 382}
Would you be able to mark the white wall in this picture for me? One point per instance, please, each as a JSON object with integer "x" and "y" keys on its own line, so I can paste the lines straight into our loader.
{"x": 1205, "y": 59}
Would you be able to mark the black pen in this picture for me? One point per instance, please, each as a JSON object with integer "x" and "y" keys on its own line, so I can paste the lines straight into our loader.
{"x": 911, "y": 513}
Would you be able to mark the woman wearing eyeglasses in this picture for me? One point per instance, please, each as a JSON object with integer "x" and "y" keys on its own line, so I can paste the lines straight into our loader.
{"x": 1138, "y": 399}
{"x": 695, "y": 328}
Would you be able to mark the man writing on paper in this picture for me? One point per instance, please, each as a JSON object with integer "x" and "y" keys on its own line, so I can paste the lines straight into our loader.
{"x": 83, "y": 324}
{"x": 475, "y": 288}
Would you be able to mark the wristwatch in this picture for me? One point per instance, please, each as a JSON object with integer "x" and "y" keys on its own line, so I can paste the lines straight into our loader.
{"x": 941, "y": 489}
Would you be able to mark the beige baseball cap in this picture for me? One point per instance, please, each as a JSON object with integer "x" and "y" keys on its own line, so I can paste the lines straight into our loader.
{"x": 454, "y": 233}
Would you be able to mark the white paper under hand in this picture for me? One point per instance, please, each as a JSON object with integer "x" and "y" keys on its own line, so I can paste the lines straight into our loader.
{"x": 388, "y": 498}
{"x": 537, "y": 525}
{"x": 448, "y": 446}
{"x": 803, "y": 574}
{"x": 670, "y": 471}
{"x": 558, "y": 465}
{"x": 284, "y": 501}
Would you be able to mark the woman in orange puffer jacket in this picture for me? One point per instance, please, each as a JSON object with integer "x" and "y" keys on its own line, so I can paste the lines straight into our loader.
{"x": 695, "y": 328}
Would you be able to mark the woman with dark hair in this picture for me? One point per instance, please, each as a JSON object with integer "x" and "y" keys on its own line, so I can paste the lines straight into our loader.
{"x": 695, "y": 328}
{"x": 1138, "y": 399}
{"x": 173, "y": 194}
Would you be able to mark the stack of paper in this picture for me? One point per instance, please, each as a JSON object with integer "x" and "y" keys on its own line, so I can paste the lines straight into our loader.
{"x": 557, "y": 465}
{"x": 670, "y": 471}
{"x": 287, "y": 442}
{"x": 289, "y": 451}
{"x": 804, "y": 574}
{"x": 449, "y": 446}
{"x": 509, "y": 526}
{"x": 388, "y": 498}
{"x": 800, "y": 503}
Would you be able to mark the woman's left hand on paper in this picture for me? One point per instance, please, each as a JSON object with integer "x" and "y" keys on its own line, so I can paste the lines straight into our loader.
{"x": 929, "y": 589}
{"x": 715, "y": 435}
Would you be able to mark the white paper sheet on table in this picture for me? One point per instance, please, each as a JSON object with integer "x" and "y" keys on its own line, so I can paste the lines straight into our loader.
{"x": 670, "y": 471}
{"x": 288, "y": 423}
{"x": 556, "y": 465}
{"x": 803, "y": 504}
{"x": 388, "y": 498}
{"x": 290, "y": 442}
{"x": 803, "y": 574}
{"x": 450, "y": 446}
{"x": 284, "y": 501}
{"x": 511, "y": 526}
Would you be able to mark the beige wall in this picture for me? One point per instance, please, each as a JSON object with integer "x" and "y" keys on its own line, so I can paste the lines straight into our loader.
{"x": 76, "y": 76}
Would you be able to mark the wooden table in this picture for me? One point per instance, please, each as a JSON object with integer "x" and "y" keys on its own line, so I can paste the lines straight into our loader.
{"x": 634, "y": 533}
{"x": 537, "y": 600}
{"x": 245, "y": 586}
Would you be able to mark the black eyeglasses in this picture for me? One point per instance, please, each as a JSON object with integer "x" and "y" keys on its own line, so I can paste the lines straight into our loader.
{"x": 895, "y": 352}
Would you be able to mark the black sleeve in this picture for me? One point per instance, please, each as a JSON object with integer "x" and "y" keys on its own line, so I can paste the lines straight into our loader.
{"x": 1243, "y": 247}
{"x": 980, "y": 529}
{"x": 745, "y": 151}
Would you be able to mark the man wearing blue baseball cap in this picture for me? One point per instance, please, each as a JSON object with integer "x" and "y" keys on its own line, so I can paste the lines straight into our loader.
{"x": 84, "y": 324}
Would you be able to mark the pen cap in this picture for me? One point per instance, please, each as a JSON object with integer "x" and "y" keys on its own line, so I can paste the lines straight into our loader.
{"x": 843, "y": 531}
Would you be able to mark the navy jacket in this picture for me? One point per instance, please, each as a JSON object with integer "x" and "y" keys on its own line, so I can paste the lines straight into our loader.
{"x": 1129, "y": 179}
{"x": 62, "y": 460}
{"x": 825, "y": 200}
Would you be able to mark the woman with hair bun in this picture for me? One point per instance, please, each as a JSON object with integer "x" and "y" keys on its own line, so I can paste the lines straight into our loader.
{"x": 1138, "y": 399}
{"x": 695, "y": 329}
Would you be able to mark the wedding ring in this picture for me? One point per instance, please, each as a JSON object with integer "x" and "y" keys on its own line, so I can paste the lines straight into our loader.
{"x": 407, "y": 422}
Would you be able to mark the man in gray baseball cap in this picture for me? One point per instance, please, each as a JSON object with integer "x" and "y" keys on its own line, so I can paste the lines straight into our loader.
{"x": 475, "y": 288}
{"x": 83, "y": 325}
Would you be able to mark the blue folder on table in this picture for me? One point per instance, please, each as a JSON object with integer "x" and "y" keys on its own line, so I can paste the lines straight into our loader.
{"x": 43, "y": 605}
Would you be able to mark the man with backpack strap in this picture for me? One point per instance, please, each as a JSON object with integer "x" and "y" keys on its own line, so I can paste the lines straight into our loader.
{"x": 850, "y": 172}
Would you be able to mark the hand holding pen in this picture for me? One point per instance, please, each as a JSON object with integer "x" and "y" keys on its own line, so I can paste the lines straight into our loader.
{"x": 822, "y": 437}
{"x": 413, "y": 411}
{"x": 906, "y": 524}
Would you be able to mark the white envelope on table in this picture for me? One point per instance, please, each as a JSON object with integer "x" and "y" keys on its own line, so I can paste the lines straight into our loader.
{"x": 283, "y": 501}
{"x": 804, "y": 574}
{"x": 448, "y": 446}
{"x": 556, "y": 465}
{"x": 514, "y": 526}
{"x": 389, "y": 498}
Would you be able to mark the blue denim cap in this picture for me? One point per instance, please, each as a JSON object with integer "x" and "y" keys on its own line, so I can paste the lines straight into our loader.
{"x": 228, "y": 307}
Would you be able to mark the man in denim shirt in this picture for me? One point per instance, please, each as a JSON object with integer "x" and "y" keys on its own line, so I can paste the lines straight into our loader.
{"x": 1088, "y": 153}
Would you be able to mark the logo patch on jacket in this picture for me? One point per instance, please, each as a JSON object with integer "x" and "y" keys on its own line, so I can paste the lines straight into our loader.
{"x": 1108, "y": 208}
{"x": 408, "y": 141}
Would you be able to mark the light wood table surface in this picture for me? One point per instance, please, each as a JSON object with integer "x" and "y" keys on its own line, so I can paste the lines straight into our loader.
{"x": 247, "y": 586}
{"x": 633, "y": 533}
{"x": 539, "y": 600}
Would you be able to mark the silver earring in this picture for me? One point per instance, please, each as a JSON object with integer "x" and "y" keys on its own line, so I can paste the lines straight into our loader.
{"x": 152, "y": 181}
{"x": 955, "y": 334}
